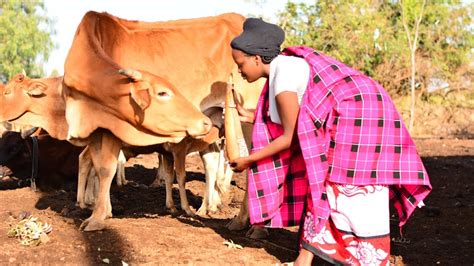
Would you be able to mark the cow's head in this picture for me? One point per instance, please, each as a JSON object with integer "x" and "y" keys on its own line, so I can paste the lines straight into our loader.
{"x": 15, "y": 96}
{"x": 164, "y": 107}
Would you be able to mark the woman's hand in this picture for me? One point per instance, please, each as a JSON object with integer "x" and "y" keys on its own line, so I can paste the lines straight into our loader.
{"x": 244, "y": 114}
{"x": 240, "y": 164}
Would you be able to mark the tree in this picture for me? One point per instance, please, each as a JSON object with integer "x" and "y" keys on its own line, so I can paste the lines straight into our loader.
{"x": 25, "y": 37}
{"x": 358, "y": 33}
{"x": 369, "y": 36}
{"x": 412, "y": 14}
{"x": 55, "y": 73}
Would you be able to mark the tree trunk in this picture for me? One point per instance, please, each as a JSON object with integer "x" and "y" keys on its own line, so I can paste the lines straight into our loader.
{"x": 413, "y": 98}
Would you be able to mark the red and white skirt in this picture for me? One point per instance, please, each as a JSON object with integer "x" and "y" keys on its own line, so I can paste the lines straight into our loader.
{"x": 357, "y": 231}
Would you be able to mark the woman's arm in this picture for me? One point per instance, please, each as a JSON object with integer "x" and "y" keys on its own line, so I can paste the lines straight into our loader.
{"x": 288, "y": 108}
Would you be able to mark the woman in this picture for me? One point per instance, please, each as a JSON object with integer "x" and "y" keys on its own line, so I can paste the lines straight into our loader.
{"x": 329, "y": 151}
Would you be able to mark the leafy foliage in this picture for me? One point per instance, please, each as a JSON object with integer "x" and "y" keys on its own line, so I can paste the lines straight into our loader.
{"x": 24, "y": 37}
{"x": 369, "y": 36}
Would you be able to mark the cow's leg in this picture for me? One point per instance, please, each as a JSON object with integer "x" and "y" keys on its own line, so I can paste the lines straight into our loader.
{"x": 166, "y": 171}
{"x": 120, "y": 175}
{"x": 104, "y": 151}
{"x": 85, "y": 166}
{"x": 179, "y": 157}
{"x": 212, "y": 200}
{"x": 202, "y": 211}
{"x": 242, "y": 221}
{"x": 162, "y": 173}
{"x": 212, "y": 165}
{"x": 224, "y": 174}
{"x": 92, "y": 189}
{"x": 91, "y": 183}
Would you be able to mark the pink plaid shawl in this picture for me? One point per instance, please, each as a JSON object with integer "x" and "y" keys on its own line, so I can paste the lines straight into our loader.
{"x": 349, "y": 132}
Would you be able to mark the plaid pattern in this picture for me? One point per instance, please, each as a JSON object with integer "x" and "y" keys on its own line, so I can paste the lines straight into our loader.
{"x": 278, "y": 185}
{"x": 349, "y": 132}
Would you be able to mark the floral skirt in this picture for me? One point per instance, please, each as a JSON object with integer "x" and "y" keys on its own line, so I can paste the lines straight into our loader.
{"x": 358, "y": 230}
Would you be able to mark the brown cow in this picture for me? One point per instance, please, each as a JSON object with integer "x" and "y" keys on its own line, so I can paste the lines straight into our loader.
{"x": 52, "y": 88}
{"x": 194, "y": 55}
{"x": 45, "y": 110}
{"x": 39, "y": 103}
{"x": 23, "y": 101}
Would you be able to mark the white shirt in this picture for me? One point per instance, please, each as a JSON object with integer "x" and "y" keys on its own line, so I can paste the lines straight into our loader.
{"x": 287, "y": 73}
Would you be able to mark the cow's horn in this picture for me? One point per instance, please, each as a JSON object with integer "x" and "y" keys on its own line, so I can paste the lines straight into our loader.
{"x": 131, "y": 73}
{"x": 23, "y": 72}
{"x": 26, "y": 133}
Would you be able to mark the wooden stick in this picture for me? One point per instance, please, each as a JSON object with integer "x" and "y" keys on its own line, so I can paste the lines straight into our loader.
{"x": 235, "y": 142}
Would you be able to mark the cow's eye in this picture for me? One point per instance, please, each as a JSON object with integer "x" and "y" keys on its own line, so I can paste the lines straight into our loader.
{"x": 163, "y": 94}
{"x": 6, "y": 92}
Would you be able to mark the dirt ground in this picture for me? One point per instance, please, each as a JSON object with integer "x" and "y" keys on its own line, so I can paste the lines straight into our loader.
{"x": 142, "y": 232}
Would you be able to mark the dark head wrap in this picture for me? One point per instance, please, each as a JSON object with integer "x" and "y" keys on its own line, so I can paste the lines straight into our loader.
{"x": 259, "y": 38}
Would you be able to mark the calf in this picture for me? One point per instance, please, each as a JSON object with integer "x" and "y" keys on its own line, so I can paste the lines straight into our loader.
{"x": 216, "y": 179}
{"x": 172, "y": 161}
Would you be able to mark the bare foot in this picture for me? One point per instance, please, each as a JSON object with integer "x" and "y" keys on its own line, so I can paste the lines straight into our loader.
{"x": 237, "y": 224}
{"x": 304, "y": 258}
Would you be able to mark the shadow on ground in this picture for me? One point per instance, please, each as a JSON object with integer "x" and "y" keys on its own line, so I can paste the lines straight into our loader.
{"x": 440, "y": 233}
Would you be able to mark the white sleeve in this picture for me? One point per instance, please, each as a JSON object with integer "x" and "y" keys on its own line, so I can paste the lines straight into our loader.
{"x": 290, "y": 75}
{"x": 287, "y": 73}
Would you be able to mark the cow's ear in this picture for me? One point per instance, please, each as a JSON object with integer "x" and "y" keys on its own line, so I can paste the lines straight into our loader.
{"x": 36, "y": 88}
{"x": 141, "y": 97}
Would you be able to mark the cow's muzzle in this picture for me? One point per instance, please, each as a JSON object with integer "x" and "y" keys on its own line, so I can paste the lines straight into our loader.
{"x": 200, "y": 129}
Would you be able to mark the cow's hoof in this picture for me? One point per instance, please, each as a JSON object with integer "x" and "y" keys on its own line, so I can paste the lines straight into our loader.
{"x": 84, "y": 206}
{"x": 202, "y": 210}
{"x": 190, "y": 212}
{"x": 213, "y": 208}
{"x": 256, "y": 232}
{"x": 236, "y": 224}
{"x": 81, "y": 205}
{"x": 91, "y": 224}
{"x": 173, "y": 211}
{"x": 157, "y": 184}
{"x": 124, "y": 182}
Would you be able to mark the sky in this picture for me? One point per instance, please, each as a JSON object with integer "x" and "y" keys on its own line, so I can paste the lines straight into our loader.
{"x": 68, "y": 14}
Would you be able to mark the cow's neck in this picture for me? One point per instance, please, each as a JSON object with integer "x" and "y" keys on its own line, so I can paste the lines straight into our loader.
{"x": 56, "y": 126}
{"x": 52, "y": 111}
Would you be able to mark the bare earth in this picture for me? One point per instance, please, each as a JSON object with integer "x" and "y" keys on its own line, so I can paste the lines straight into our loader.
{"x": 142, "y": 232}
